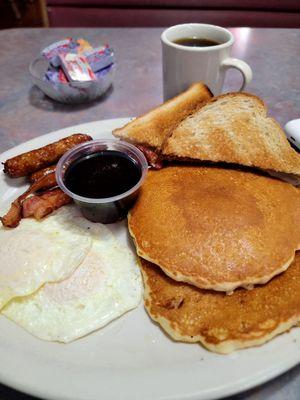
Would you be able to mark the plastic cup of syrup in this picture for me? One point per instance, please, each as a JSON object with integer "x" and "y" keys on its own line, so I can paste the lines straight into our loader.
{"x": 103, "y": 177}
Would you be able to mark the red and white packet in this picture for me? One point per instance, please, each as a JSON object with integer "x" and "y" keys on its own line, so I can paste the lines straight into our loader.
{"x": 76, "y": 67}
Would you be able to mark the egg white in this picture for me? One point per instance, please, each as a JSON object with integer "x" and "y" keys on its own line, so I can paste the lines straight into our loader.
{"x": 37, "y": 252}
{"x": 105, "y": 285}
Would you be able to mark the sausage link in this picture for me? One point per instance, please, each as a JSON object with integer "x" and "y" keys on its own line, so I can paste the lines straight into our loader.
{"x": 36, "y": 176}
{"x": 34, "y": 160}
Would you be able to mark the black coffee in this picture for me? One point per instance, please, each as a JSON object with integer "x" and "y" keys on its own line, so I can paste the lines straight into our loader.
{"x": 196, "y": 42}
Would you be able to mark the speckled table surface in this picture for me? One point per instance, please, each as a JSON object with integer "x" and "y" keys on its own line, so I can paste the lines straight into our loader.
{"x": 273, "y": 54}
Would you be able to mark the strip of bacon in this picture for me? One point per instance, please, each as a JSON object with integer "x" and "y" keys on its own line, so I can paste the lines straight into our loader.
{"x": 38, "y": 206}
{"x": 152, "y": 158}
{"x": 13, "y": 217}
{"x": 46, "y": 182}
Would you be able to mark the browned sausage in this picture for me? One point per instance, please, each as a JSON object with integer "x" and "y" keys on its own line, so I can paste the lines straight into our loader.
{"x": 34, "y": 160}
{"x": 36, "y": 176}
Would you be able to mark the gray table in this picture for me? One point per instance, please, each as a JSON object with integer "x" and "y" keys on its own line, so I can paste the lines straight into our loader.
{"x": 274, "y": 55}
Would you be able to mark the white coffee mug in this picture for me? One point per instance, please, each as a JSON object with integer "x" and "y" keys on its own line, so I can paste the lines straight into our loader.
{"x": 184, "y": 65}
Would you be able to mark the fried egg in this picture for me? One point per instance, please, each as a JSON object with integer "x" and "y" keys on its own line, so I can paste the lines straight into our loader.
{"x": 105, "y": 285}
{"x": 37, "y": 252}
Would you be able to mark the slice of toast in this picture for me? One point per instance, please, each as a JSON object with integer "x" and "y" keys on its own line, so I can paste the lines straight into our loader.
{"x": 154, "y": 127}
{"x": 233, "y": 128}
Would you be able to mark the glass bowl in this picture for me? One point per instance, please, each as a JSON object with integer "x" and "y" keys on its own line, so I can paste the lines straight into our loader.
{"x": 72, "y": 92}
{"x": 108, "y": 209}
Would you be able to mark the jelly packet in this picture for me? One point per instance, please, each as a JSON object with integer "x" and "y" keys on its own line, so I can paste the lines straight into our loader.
{"x": 74, "y": 61}
{"x": 83, "y": 46}
{"x": 56, "y": 75}
{"x": 100, "y": 57}
{"x": 76, "y": 68}
{"x": 51, "y": 52}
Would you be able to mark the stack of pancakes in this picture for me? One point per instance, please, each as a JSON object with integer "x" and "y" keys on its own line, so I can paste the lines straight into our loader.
{"x": 204, "y": 232}
{"x": 218, "y": 251}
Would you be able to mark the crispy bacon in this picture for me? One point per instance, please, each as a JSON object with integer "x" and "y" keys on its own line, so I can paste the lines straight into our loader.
{"x": 46, "y": 182}
{"x": 36, "y": 163}
{"x": 13, "y": 217}
{"x": 39, "y": 206}
{"x": 152, "y": 158}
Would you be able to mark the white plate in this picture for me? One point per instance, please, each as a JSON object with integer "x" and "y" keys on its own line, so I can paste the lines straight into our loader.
{"x": 131, "y": 358}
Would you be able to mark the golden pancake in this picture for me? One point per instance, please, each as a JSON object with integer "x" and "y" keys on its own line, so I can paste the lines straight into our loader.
{"x": 216, "y": 228}
{"x": 220, "y": 322}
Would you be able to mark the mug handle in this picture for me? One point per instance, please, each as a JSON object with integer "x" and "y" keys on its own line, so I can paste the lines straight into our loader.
{"x": 242, "y": 66}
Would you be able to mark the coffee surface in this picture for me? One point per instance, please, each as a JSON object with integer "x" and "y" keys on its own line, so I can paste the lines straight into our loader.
{"x": 196, "y": 42}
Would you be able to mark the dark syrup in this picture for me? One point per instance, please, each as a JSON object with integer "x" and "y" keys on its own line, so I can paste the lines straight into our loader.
{"x": 102, "y": 175}
{"x": 196, "y": 42}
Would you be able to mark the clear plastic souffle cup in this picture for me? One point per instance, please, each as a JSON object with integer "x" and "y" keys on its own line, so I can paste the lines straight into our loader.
{"x": 107, "y": 209}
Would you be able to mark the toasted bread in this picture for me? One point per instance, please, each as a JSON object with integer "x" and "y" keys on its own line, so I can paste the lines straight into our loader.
{"x": 153, "y": 128}
{"x": 233, "y": 128}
